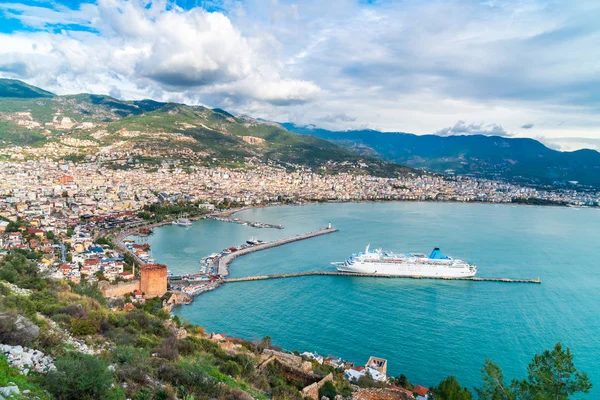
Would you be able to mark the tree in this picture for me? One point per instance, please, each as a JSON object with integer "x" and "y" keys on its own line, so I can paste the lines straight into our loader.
{"x": 450, "y": 389}
{"x": 494, "y": 387}
{"x": 327, "y": 390}
{"x": 79, "y": 376}
{"x": 552, "y": 375}
{"x": 403, "y": 382}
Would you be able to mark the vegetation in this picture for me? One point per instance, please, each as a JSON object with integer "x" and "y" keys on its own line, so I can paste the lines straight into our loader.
{"x": 450, "y": 389}
{"x": 18, "y": 89}
{"x": 161, "y": 211}
{"x": 153, "y": 356}
{"x": 551, "y": 375}
{"x": 538, "y": 202}
{"x": 171, "y": 133}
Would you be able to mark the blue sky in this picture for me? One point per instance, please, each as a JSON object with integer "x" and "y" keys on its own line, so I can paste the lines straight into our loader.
{"x": 525, "y": 68}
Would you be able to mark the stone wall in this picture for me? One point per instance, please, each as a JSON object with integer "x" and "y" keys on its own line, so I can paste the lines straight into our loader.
{"x": 118, "y": 289}
{"x": 312, "y": 390}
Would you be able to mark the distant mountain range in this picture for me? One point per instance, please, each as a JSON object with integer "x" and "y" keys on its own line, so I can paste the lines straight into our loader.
{"x": 87, "y": 124}
{"x": 513, "y": 159}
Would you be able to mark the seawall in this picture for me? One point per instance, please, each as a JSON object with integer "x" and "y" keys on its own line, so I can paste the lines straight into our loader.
{"x": 223, "y": 266}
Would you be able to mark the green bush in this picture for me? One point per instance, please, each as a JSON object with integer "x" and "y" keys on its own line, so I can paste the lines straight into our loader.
{"x": 84, "y": 326}
{"x": 327, "y": 390}
{"x": 231, "y": 368}
{"x": 80, "y": 376}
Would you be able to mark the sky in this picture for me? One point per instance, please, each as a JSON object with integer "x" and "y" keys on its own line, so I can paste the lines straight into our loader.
{"x": 520, "y": 68}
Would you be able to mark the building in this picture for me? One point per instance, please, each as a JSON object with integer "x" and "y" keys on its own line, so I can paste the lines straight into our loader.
{"x": 380, "y": 364}
{"x": 153, "y": 280}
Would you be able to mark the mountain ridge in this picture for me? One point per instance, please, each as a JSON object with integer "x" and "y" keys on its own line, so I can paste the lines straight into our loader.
{"x": 89, "y": 126}
{"x": 522, "y": 160}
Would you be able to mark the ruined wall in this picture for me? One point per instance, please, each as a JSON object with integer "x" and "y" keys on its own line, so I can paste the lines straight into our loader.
{"x": 118, "y": 289}
{"x": 312, "y": 390}
{"x": 153, "y": 280}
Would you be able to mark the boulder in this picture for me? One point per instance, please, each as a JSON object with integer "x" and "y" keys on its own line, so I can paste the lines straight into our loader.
{"x": 10, "y": 390}
{"x": 16, "y": 329}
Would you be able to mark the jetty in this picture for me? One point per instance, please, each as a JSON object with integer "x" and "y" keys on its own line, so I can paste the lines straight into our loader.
{"x": 223, "y": 262}
{"x": 332, "y": 273}
{"x": 253, "y": 224}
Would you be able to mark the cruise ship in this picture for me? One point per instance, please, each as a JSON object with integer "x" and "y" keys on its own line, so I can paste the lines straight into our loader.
{"x": 381, "y": 262}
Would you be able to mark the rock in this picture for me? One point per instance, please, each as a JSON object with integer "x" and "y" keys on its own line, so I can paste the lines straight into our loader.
{"x": 18, "y": 330}
{"x": 324, "y": 398}
{"x": 10, "y": 390}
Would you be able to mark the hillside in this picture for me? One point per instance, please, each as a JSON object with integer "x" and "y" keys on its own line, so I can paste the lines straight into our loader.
{"x": 514, "y": 159}
{"x": 92, "y": 127}
{"x": 17, "y": 89}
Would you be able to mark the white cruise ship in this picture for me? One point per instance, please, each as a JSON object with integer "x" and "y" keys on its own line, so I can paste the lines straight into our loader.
{"x": 381, "y": 262}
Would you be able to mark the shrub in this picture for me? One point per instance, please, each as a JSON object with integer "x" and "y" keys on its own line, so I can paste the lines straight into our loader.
{"x": 80, "y": 376}
{"x": 49, "y": 339}
{"x": 168, "y": 349}
{"x": 231, "y": 368}
{"x": 327, "y": 390}
{"x": 84, "y": 326}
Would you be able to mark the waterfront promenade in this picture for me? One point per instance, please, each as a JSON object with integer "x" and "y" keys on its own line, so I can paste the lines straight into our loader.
{"x": 223, "y": 262}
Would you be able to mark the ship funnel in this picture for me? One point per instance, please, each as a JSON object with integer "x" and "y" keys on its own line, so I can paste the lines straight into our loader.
{"x": 436, "y": 254}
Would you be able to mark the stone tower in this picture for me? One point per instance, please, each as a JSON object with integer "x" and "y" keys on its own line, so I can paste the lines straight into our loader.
{"x": 153, "y": 280}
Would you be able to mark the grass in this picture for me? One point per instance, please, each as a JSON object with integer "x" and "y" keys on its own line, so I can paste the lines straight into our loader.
{"x": 9, "y": 374}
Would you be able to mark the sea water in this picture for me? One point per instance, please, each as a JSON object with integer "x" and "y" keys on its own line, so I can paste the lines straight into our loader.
{"x": 426, "y": 329}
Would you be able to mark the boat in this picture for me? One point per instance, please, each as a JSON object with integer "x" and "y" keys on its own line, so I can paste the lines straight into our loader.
{"x": 381, "y": 262}
{"x": 253, "y": 241}
{"x": 182, "y": 220}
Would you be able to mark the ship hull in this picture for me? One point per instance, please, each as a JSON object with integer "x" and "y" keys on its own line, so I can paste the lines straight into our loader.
{"x": 408, "y": 269}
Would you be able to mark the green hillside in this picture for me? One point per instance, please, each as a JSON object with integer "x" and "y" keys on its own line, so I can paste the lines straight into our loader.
{"x": 80, "y": 125}
{"x": 17, "y": 89}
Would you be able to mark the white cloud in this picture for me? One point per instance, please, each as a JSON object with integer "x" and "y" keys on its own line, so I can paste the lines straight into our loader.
{"x": 462, "y": 128}
{"x": 411, "y": 66}
{"x": 175, "y": 53}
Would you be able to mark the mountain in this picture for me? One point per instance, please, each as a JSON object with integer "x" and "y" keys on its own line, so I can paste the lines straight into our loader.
{"x": 515, "y": 159}
{"x": 17, "y": 89}
{"x": 90, "y": 126}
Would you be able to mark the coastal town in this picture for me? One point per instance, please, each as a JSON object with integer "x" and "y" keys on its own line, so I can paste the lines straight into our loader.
{"x": 78, "y": 222}
{"x": 61, "y": 209}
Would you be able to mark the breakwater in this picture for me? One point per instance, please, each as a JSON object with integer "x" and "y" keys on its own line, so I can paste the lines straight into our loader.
{"x": 223, "y": 262}
{"x": 332, "y": 273}
{"x": 253, "y": 224}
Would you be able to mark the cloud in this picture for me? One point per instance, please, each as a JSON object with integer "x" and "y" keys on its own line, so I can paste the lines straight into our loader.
{"x": 333, "y": 118}
{"x": 570, "y": 143}
{"x": 410, "y": 66}
{"x": 461, "y": 128}
{"x": 167, "y": 51}
{"x": 527, "y": 126}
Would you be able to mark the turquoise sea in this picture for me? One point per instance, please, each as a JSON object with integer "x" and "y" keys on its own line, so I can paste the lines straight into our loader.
{"x": 427, "y": 329}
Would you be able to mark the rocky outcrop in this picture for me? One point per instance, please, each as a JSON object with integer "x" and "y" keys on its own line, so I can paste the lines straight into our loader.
{"x": 27, "y": 360}
{"x": 16, "y": 329}
{"x": 176, "y": 298}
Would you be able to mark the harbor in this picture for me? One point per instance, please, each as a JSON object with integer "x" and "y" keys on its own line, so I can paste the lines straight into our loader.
{"x": 215, "y": 267}
{"x": 223, "y": 262}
